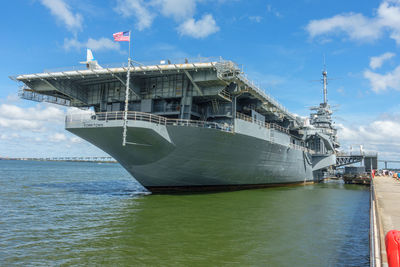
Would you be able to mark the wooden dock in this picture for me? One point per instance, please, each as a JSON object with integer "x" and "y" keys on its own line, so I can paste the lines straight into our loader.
{"x": 362, "y": 179}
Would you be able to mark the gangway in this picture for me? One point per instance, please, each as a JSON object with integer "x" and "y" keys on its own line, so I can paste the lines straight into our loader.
{"x": 370, "y": 159}
{"x": 342, "y": 160}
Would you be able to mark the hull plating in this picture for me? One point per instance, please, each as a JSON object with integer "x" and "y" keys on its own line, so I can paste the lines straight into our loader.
{"x": 195, "y": 157}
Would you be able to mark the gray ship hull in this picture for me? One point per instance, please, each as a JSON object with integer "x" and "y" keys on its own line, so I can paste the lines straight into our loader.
{"x": 191, "y": 125}
{"x": 166, "y": 157}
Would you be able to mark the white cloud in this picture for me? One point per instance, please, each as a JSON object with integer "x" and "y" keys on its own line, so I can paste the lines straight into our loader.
{"x": 33, "y": 113}
{"x": 273, "y": 11}
{"x": 72, "y": 43}
{"x": 199, "y": 29}
{"x": 33, "y": 118}
{"x": 75, "y": 139}
{"x": 31, "y": 132}
{"x": 377, "y": 62}
{"x": 57, "y": 137}
{"x": 20, "y": 124}
{"x": 138, "y": 9}
{"x": 9, "y": 136}
{"x": 178, "y": 9}
{"x": 101, "y": 44}
{"x": 381, "y": 82}
{"x": 358, "y": 27}
{"x": 255, "y": 18}
{"x": 341, "y": 90}
{"x": 182, "y": 11}
{"x": 12, "y": 98}
{"x": 379, "y": 135}
{"x": 62, "y": 12}
{"x": 389, "y": 16}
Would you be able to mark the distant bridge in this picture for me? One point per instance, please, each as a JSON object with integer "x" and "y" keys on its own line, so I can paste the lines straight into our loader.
{"x": 71, "y": 159}
{"x": 387, "y": 161}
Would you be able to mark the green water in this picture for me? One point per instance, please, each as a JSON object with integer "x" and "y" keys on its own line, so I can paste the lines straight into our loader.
{"x": 90, "y": 214}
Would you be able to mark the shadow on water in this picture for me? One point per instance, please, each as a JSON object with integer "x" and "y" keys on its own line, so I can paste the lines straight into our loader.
{"x": 200, "y": 190}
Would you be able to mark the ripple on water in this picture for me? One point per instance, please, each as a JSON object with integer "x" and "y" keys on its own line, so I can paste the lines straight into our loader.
{"x": 89, "y": 214}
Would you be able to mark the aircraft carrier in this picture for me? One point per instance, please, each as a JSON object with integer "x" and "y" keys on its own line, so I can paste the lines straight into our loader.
{"x": 195, "y": 125}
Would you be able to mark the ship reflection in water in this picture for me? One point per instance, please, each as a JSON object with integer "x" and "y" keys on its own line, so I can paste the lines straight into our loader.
{"x": 89, "y": 214}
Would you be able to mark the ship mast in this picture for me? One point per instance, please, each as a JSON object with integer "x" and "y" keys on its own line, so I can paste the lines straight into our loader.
{"x": 321, "y": 118}
{"x": 325, "y": 81}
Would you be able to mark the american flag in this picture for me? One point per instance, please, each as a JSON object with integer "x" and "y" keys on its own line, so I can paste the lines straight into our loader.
{"x": 122, "y": 36}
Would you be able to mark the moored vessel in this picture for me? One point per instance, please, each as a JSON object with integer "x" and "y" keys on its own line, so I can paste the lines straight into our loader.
{"x": 193, "y": 125}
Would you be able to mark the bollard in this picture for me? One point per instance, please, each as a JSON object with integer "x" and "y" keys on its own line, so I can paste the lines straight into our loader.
{"x": 392, "y": 241}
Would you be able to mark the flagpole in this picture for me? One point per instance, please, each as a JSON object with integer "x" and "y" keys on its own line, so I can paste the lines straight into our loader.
{"x": 129, "y": 57}
{"x": 127, "y": 94}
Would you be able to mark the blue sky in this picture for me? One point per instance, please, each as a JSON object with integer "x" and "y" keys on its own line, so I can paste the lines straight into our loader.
{"x": 281, "y": 45}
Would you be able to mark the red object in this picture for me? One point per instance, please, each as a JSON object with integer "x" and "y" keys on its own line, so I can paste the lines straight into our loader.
{"x": 392, "y": 242}
{"x": 373, "y": 173}
{"x": 122, "y": 36}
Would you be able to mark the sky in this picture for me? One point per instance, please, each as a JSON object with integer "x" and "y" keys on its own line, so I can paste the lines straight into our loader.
{"x": 280, "y": 45}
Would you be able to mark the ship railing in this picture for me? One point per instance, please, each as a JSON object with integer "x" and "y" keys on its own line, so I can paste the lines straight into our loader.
{"x": 245, "y": 117}
{"x": 131, "y": 115}
{"x": 225, "y": 94}
{"x": 357, "y": 154}
{"x": 142, "y": 116}
{"x": 305, "y": 149}
{"x": 261, "y": 123}
{"x": 274, "y": 126}
{"x": 201, "y": 124}
{"x": 350, "y": 154}
{"x": 226, "y": 69}
{"x": 278, "y": 128}
{"x": 243, "y": 77}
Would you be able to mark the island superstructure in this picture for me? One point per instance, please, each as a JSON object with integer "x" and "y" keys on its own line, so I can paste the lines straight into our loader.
{"x": 193, "y": 125}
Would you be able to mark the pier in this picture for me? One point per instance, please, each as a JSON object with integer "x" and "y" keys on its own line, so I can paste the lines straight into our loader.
{"x": 69, "y": 159}
{"x": 385, "y": 215}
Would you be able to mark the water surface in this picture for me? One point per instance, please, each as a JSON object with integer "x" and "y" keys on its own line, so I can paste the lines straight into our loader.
{"x": 54, "y": 213}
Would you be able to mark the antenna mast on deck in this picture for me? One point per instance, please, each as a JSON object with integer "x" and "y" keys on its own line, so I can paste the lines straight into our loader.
{"x": 325, "y": 80}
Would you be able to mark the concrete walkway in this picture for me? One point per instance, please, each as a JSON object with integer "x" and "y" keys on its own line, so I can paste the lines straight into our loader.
{"x": 387, "y": 195}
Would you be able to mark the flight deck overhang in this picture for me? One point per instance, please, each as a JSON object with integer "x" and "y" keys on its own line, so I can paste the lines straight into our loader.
{"x": 205, "y": 77}
{"x": 92, "y": 73}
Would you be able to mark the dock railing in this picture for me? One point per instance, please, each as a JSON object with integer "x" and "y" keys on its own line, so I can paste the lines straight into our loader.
{"x": 374, "y": 233}
{"x": 142, "y": 116}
